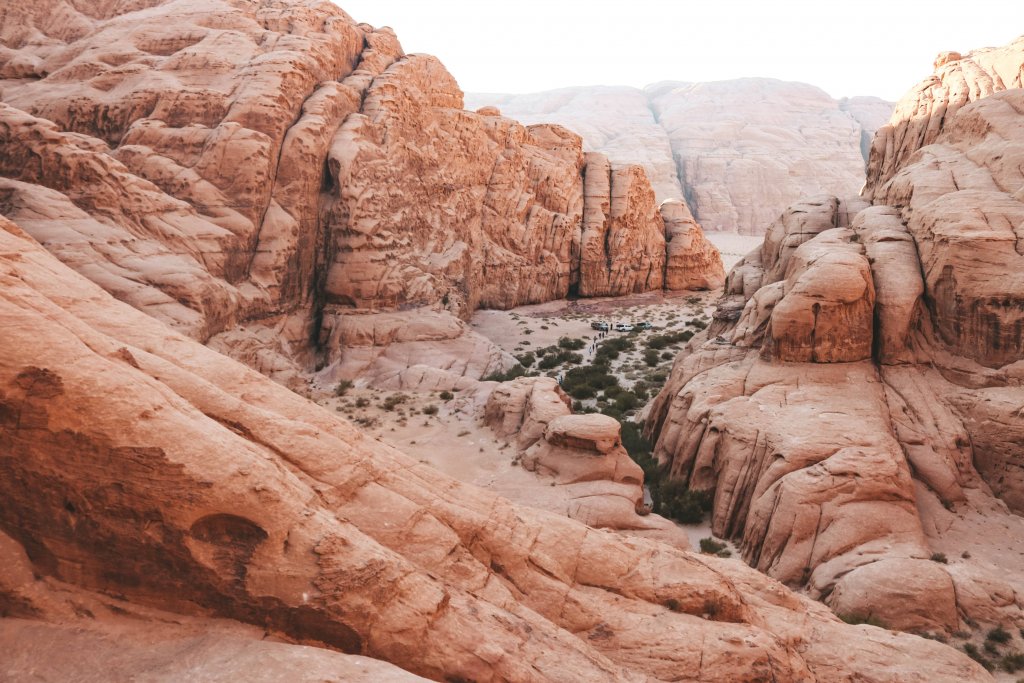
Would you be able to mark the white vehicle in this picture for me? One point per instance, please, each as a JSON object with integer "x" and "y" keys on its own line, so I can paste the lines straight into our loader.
{"x": 623, "y": 327}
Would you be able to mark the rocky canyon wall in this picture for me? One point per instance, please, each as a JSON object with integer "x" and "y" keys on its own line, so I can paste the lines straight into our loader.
{"x": 253, "y": 175}
{"x": 851, "y": 406}
{"x": 737, "y": 151}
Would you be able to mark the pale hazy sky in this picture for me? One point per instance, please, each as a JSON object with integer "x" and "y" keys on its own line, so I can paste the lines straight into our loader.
{"x": 856, "y": 47}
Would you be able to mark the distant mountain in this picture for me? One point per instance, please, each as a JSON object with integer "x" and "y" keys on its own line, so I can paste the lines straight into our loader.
{"x": 737, "y": 151}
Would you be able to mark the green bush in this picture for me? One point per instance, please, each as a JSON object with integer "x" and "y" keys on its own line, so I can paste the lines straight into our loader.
{"x": 862, "y": 619}
{"x": 939, "y": 557}
{"x": 651, "y": 357}
{"x": 999, "y": 635}
{"x": 516, "y": 371}
{"x": 571, "y": 343}
{"x": 447, "y": 395}
{"x": 343, "y": 387}
{"x": 710, "y": 546}
{"x": 1013, "y": 662}
{"x": 677, "y": 502}
{"x": 392, "y": 401}
{"x": 581, "y": 391}
{"x": 526, "y": 360}
{"x": 429, "y": 410}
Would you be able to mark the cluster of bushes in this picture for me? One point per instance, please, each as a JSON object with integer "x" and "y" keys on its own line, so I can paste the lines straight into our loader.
{"x": 660, "y": 341}
{"x": 698, "y": 323}
{"x": 672, "y": 499}
{"x": 609, "y": 349}
{"x": 393, "y": 401}
{"x": 709, "y": 546}
{"x": 585, "y": 381}
{"x": 571, "y": 343}
{"x": 992, "y": 657}
{"x": 508, "y": 376}
{"x": 553, "y": 360}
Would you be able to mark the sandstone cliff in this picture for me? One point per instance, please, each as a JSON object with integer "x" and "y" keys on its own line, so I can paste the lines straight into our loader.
{"x": 855, "y": 405}
{"x": 256, "y": 174}
{"x": 737, "y": 151}
{"x": 152, "y": 473}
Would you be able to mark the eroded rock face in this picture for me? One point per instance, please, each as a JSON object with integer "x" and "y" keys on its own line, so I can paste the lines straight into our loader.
{"x": 921, "y": 116}
{"x": 850, "y": 404}
{"x": 691, "y": 262}
{"x": 737, "y": 151}
{"x": 140, "y": 463}
{"x": 253, "y": 174}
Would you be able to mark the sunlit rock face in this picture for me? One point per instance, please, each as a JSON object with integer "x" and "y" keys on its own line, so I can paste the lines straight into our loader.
{"x": 256, "y": 176}
{"x": 855, "y": 406}
{"x": 737, "y": 151}
{"x": 181, "y": 178}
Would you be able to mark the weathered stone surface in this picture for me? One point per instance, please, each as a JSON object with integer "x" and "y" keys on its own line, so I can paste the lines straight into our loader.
{"x": 737, "y": 151}
{"x": 844, "y": 457}
{"x": 921, "y": 115}
{"x": 140, "y": 463}
{"x": 622, "y": 247}
{"x": 251, "y": 174}
{"x": 691, "y": 261}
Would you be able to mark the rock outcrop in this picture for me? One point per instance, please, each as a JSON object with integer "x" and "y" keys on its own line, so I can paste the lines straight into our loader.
{"x": 596, "y": 481}
{"x": 737, "y": 151}
{"x": 140, "y": 464}
{"x": 922, "y": 114}
{"x": 691, "y": 261}
{"x": 851, "y": 404}
{"x": 255, "y": 174}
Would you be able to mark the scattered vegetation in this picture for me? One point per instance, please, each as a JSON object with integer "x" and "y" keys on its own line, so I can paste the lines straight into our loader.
{"x": 868, "y": 619}
{"x": 939, "y": 557}
{"x": 394, "y": 400}
{"x": 999, "y": 635}
{"x": 447, "y": 395}
{"x": 710, "y": 546}
{"x": 571, "y": 343}
{"x": 1012, "y": 662}
{"x": 362, "y": 402}
{"x": 971, "y": 650}
{"x": 429, "y": 410}
{"x": 343, "y": 387}
{"x": 516, "y": 371}
{"x": 526, "y": 360}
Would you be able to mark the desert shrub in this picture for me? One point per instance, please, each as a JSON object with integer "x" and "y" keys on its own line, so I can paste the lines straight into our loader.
{"x": 581, "y": 391}
{"x": 667, "y": 355}
{"x": 1012, "y": 662}
{"x": 362, "y": 402}
{"x": 710, "y": 546}
{"x": 999, "y": 635}
{"x": 939, "y": 557}
{"x": 855, "y": 619}
{"x": 651, "y": 357}
{"x": 724, "y": 553}
{"x": 571, "y": 343}
{"x": 693, "y": 300}
{"x": 429, "y": 410}
{"x": 526, "y": 360}
{"x": 343, "y": 386}
{"x": 447, "y": 395}
{"x": 971, "y": 651}
{"x": 626, "y": 400}
{"x": 676, "y": 501}
{"x": 394, "y": 400}
{"x": 549, "y": 361}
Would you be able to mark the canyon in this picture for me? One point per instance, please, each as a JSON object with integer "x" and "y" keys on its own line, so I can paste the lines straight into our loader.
{"x": 218, "y": 217}
{"x": 738, "y": 152}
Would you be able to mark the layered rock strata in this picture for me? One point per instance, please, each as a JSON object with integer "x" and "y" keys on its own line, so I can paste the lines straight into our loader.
{"x": 737, "y": 151}
{"x": 140, "y": 464}
{"x": 851, "y": 405}
{"x": 255, "y": 174}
